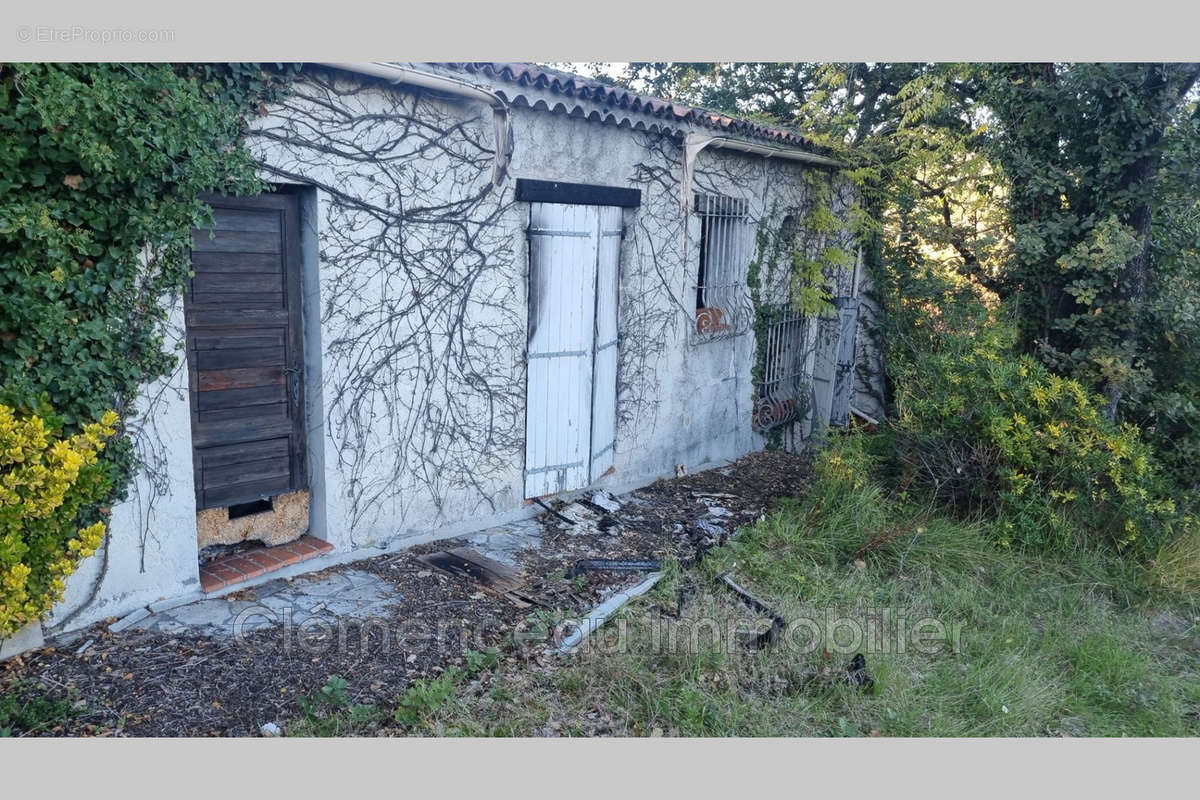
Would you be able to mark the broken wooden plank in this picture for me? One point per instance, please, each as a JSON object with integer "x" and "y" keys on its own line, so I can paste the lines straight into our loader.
{"x": 493, "y": 577}
{"x": 778, "y": 623}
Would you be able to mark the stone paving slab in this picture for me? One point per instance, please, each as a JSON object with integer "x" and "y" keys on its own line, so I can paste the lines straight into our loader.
{"x": 347, "y": 592}
{"x": 505, "y": 542}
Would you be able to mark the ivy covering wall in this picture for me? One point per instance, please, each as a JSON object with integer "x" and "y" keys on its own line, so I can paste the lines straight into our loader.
{"x": 102, "y": 169}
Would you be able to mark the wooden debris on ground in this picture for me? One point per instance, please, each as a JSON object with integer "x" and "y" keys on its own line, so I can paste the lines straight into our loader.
{"x": 778, "y": 623}
{"x": 489, "y": 575}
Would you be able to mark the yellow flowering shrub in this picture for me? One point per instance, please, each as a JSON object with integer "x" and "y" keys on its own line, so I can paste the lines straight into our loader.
{"x": 50, "y": 489}
{"x": 988, "y": 431}
{"x": 845, "y": 465}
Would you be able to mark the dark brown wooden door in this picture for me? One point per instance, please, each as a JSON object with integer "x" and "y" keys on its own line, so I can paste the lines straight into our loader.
{"x": 244, "y": 350}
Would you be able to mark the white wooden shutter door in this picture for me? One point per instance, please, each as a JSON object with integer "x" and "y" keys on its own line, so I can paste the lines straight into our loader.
{"x": 604, "y": 369}
{"x": 563, "y": 246}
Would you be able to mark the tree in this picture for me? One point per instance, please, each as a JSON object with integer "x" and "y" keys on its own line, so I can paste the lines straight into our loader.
{"x": 1170, "y": 335}
{"x": 1081, "y": 146}
{"x": 1065, "y": 192}
{"x": 910, "y": 133}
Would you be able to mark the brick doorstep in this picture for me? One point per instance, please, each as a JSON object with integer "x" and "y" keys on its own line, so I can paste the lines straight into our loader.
{"x": 234, "y": 569}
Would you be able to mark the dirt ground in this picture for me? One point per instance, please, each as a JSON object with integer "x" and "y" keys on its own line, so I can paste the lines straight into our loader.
{"x": 146, "y": 683}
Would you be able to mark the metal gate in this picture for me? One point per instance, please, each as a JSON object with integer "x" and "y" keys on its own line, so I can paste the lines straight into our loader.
{"x": 843, "y": 376}
{"x": 571, "y": 374}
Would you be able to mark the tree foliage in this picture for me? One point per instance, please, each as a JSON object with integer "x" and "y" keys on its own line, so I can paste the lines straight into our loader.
{"x": 1082, "y": 148}
{"x": 1061, "y": 197}
{"x": 1169, "y": 337}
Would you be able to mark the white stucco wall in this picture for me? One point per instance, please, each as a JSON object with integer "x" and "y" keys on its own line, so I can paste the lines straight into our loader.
{"x": 408, "y": 442}
{"x": 150, "y": 552}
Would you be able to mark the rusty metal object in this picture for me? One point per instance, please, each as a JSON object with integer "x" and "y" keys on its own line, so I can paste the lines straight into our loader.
{"x": 612, "y": 565}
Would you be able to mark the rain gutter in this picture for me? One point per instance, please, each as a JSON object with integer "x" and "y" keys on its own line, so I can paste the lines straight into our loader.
{"x": 396, "y": 74}
{"x": 696, "y": 142}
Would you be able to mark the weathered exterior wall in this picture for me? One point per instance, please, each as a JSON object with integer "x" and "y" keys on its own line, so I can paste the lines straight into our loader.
{"x": 150, "y": 551}
{"x": 416, "y": 323}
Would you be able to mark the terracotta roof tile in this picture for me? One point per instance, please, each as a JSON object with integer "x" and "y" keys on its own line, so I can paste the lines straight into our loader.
{"x": 576, "y": 87}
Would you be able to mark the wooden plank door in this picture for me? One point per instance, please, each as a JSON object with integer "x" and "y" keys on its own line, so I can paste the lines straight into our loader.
{"x": 245, "y": 352}
{"x": 571, "y": 375}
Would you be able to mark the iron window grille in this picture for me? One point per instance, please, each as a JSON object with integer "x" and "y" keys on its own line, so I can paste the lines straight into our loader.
{"x": 723, "y": 307}
{"x": 783, "y": 368}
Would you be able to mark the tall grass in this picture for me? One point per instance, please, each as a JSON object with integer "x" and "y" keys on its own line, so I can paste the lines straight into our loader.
{"x": 1033, "y": 644}
{"x": 1176, "y": 567}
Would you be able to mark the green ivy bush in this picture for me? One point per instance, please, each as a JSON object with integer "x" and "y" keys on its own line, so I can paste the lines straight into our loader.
{"x": 102, "y": 167}
{"x": 101, "y": 171}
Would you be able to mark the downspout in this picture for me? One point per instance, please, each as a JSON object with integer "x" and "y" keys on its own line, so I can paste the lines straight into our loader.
{"x": 600, "y": 614}
{"x": 696, "y": 142}
{"x": 502, "y": 125}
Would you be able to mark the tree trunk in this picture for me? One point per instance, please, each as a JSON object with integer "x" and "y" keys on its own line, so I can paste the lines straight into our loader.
{"x": 1142, "y": 175}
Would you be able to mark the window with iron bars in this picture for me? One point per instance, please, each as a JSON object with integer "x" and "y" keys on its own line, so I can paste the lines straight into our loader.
{"x": 723, "y": 306}
{"x": 783, "y": 367}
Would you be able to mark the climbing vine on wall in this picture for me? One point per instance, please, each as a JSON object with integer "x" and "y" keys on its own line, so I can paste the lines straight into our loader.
{"x": 101, "y": 168}
{"x": 650, "y": 318}
{"x": 423, "y": 397}
{"x": 101, "y": 171}
{"x": 801, "y": 259}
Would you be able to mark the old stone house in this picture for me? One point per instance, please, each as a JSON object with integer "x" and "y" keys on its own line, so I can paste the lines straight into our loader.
{"x": 473, "y": 285}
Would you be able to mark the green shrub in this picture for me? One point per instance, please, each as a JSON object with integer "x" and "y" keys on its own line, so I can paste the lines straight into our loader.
{"x": 982, "y": 430}
{"x": 50, "y": 488}
{"x": 102, "y": 167}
